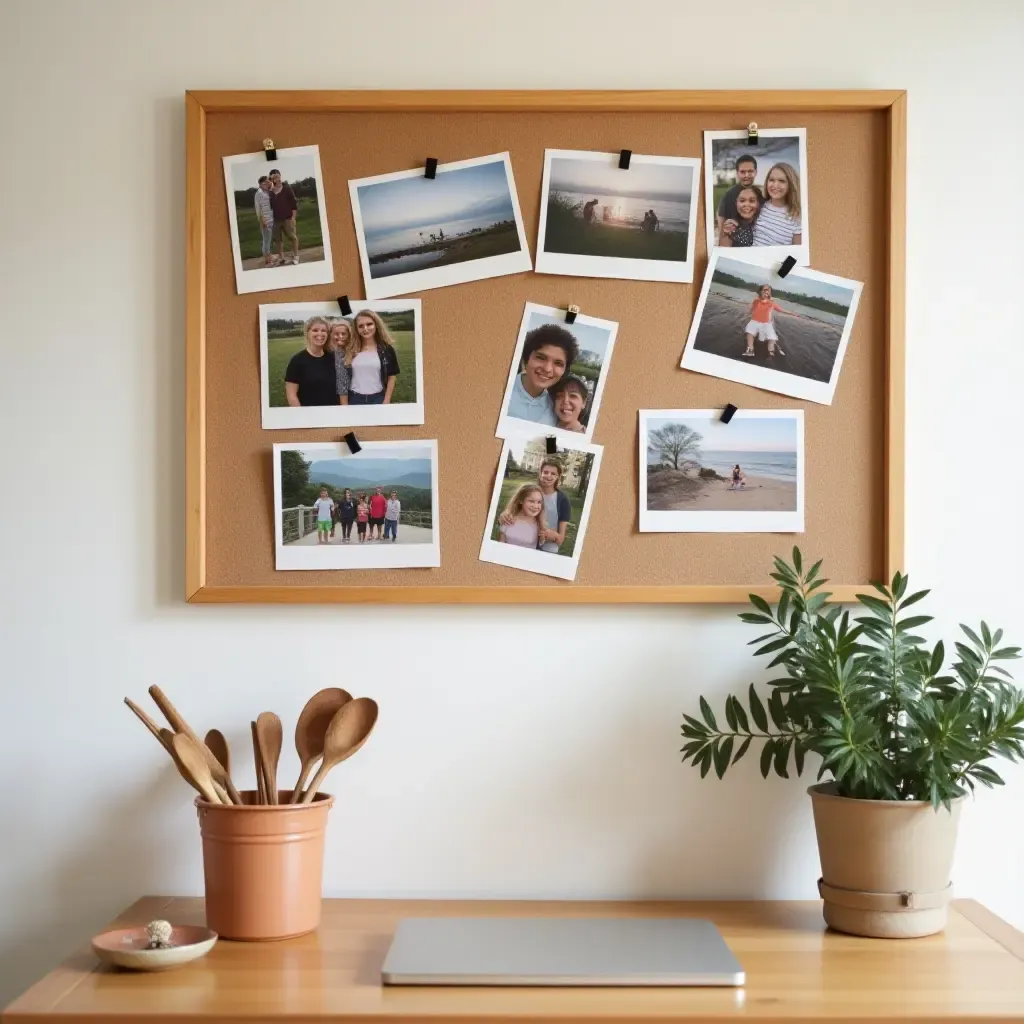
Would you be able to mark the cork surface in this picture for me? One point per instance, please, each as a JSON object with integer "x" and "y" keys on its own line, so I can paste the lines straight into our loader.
{"x": 469, "y": 334}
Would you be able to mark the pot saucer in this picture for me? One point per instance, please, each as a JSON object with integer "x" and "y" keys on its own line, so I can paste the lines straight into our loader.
{"x": 128, "y": 947}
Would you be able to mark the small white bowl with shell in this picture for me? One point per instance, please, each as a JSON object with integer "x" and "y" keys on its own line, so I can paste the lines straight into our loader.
{"x": 158, "y": 946}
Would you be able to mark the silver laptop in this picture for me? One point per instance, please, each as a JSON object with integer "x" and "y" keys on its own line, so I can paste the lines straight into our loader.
{"x": 559, "y": 951}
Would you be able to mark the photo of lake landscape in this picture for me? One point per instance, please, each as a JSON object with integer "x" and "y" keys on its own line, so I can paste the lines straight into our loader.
{"x": 600, "y": 220}
{"x": 420, "y": 229}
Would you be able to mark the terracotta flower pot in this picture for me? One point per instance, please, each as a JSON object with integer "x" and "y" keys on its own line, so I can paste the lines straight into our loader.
{"x": 263, "y": 866}
{"x": 885, "y": 864}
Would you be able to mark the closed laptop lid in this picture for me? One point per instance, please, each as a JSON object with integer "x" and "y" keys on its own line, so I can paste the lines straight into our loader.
{"x": 559, "y": 951}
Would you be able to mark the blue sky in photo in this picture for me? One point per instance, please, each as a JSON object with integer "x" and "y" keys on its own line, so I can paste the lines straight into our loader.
{"x": 746, "y": 434}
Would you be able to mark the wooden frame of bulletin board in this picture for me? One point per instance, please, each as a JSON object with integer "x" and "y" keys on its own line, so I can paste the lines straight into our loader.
{"x": 856, "y": 146}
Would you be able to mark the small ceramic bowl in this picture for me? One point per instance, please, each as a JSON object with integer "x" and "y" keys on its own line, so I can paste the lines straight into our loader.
{"x": 126, "y": 947}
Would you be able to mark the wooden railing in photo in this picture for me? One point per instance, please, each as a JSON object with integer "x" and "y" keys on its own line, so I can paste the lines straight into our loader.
{"x": 300, "y": 520}
{"x": 854, "y": 456}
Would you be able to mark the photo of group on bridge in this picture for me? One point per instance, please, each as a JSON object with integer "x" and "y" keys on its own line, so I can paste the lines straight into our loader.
{"x": 372, "y": 509}
{"x": 541, "y": 505}
{"x": 322, "y": 368}
{"x": 787, "y": 335}
{"x": 415, "y": 232}
{"x": 278, "y": 220}
{"x": 598, "y": 219}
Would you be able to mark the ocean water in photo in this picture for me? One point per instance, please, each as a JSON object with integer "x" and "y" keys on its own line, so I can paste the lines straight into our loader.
{"x": 403, "y": 264}
{"x": 672, "y": 216}
{"x": 777, "y": 465}
{"x": 743, "y": 295}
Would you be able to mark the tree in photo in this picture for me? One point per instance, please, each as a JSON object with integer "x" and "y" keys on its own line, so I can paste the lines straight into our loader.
{"x": 675, "y": 443}
{"x": 294, "y": 478}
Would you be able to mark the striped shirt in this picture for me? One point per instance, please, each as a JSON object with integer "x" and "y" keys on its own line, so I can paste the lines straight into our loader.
{"x": 775, "y": 226}
{"x": 262, "y": 204}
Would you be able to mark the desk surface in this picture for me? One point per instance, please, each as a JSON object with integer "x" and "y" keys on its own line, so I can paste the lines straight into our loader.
{"x": 796, "y": 970}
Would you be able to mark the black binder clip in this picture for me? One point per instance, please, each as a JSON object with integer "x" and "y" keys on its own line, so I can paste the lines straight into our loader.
{"x": 570, "y": 316}
{"x": 624, "y": 155}
{"x": 268, "y": 148}
{"x": 344, "y": 305}
{"x": 353, "y": 445}
{"x": 787, "y": 265}
{"x": 430, "y": 171}
{"x": 727, "y": 413}
{"x": 752, "y": 133}
{"x": 552, "y": 444}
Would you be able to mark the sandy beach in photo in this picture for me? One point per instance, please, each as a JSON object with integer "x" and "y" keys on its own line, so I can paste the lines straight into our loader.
{"x": 670, "y": 490}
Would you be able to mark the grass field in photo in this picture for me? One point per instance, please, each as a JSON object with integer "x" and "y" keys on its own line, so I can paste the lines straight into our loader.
{"x": 307, "y": 227}
{"x": 512, "y": 483}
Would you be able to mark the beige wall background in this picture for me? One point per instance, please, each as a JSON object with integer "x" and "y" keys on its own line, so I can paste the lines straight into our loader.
{"x": 522, "y": 752}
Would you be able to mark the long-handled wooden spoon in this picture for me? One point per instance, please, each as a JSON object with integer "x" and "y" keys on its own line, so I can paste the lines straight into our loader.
{"x": 167, "y": 738}
{"x": 193, "y": 761}
{"x": 218, "y": 746}
{"x": 179, "y": 725}
{"x": 311, "y": 729}
{"x": 148, "y": 723}
{"x": 270, "y": 735}
{"x": 261, "y": 796}
{"x": 349, "y": 730}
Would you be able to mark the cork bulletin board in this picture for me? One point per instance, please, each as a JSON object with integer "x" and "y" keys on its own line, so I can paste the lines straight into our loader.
{"x": 853, "y": 448}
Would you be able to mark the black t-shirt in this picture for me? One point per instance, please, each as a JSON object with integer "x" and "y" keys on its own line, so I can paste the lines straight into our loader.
{"x": 346, "y": 510}
{"x": 727, "y": 207}
{"x": 315, "y": 377}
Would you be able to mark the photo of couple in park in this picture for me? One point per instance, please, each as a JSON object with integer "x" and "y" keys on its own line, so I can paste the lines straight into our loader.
{"x": 319, "y": 368}
{"x": 376, "y": 508}
{"x": 415, "y": 232}
{"x": 278, "y": 220}
{"x": 540, "y": 505}
{"x": 787, "y": 335}
{"x": 558, "y": 374}
{"x": 756, "y": 195}
{"x": 700, "y": 475}
{"x": 598, "y": 219}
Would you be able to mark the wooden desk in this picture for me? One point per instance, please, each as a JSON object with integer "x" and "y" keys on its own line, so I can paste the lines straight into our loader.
{"x": 796, "y": 970}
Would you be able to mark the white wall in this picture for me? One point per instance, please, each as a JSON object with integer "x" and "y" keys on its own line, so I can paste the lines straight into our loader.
{"x": 483, "y": 780}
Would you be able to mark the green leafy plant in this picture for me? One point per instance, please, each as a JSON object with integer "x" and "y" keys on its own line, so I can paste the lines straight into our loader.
{"x": 867, "y": 696}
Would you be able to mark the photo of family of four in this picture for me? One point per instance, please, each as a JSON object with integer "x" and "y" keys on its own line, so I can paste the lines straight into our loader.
{"x": 557, "y": 377}
{"x": 375, "y": 517}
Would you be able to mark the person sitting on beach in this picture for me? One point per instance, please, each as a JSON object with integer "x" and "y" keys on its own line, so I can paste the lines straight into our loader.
{"x": 761, "y": 326}
{"x": 368, "y": 369}
{"x": 746, "y": 171}
{"x": 525, "y": 515}
{"x": 309, "y": 378}
{"x": 569, "y": 399}
{"x": 739, "y": 481}
{"x": 588, "y": 211}
{"x": 653, "y": 222}
{"x": 548, "y": 352}
{"x": 778, "y": 220}
{"x": 739, "y": 232}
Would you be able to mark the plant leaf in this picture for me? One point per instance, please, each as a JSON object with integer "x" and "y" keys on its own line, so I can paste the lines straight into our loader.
{"x": 767, "y": 753}
{"x": 743, "y": 747}
{"x": 757, "y": 711}
{"x": 722, "y": 753}
{"x": 709, "y": 716}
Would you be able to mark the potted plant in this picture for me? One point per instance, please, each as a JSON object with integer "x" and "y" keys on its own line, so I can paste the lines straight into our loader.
{"x": 900, "y": 741}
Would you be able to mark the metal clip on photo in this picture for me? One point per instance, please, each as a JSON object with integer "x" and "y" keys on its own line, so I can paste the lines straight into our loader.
{"x": 344, "y": 305}
{"x": 624, "y": 156}
{"x": 430, "y": 171}
{"x": 552, "y": 444}
{"x": 787, "y": 265}
{"x": 728, "y": 412}
{"x": 353, "y": 445}
{"x": 268, "y": 148}
{"x": 752, "y": 133}
{"x": 571, "y": 313}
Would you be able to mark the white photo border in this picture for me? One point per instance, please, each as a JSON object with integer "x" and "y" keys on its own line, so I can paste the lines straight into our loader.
{"x": 265, "y": 279}
{"x": 619, "y": 267}
{"x": 510, "y": 425}
{"x": 454, "y": 273}
{"x": 356, "y": 556}
{"x": 764, "y": 377}
{"x": 802, "y": 252}
{"x": 545, "y": 563}
{"x": 658, "y": 521}
{"x": 398, "y": 414}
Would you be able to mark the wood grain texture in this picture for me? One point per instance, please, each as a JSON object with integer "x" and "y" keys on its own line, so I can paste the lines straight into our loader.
{"x": 854, "y": 447}
{"x": 796, "y": 970}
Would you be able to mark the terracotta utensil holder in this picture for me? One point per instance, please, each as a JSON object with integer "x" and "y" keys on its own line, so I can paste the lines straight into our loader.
{"x": 263, "y": 866}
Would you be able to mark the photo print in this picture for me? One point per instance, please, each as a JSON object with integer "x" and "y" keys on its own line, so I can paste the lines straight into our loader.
{"x": 756, "y": 196}
{"x": 321, "y": 369}
{"x": 416, "y": 232}
{"x": 785, "y": 334}
{"x": 598, "y": 220}
{"x": 700, "y": 475}
{"x": 278, "y": 220}
{"x": 372, "y": 509}
{"x": 541, "y": 505}
{"x": 557, "y": 375}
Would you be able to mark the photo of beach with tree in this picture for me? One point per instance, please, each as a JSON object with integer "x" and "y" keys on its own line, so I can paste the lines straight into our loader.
{"x": 595, "y": 208}
{"x": 698, "y": 464}
{"x": 415, "y": 223}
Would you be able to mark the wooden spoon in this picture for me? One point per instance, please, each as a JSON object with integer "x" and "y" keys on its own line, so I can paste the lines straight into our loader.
{"x": 218, "y": 746}
{"x": 148, "y": 723}
{"x": 349, "y": 730}
{"x": 167, "y": 738}
{"x": 193, "y": 766}
{"x": 311, "y": 729}
{"x": 261, "y": 795}
{"x": 270, "y": 735}
{"x": 179, "y": 725}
